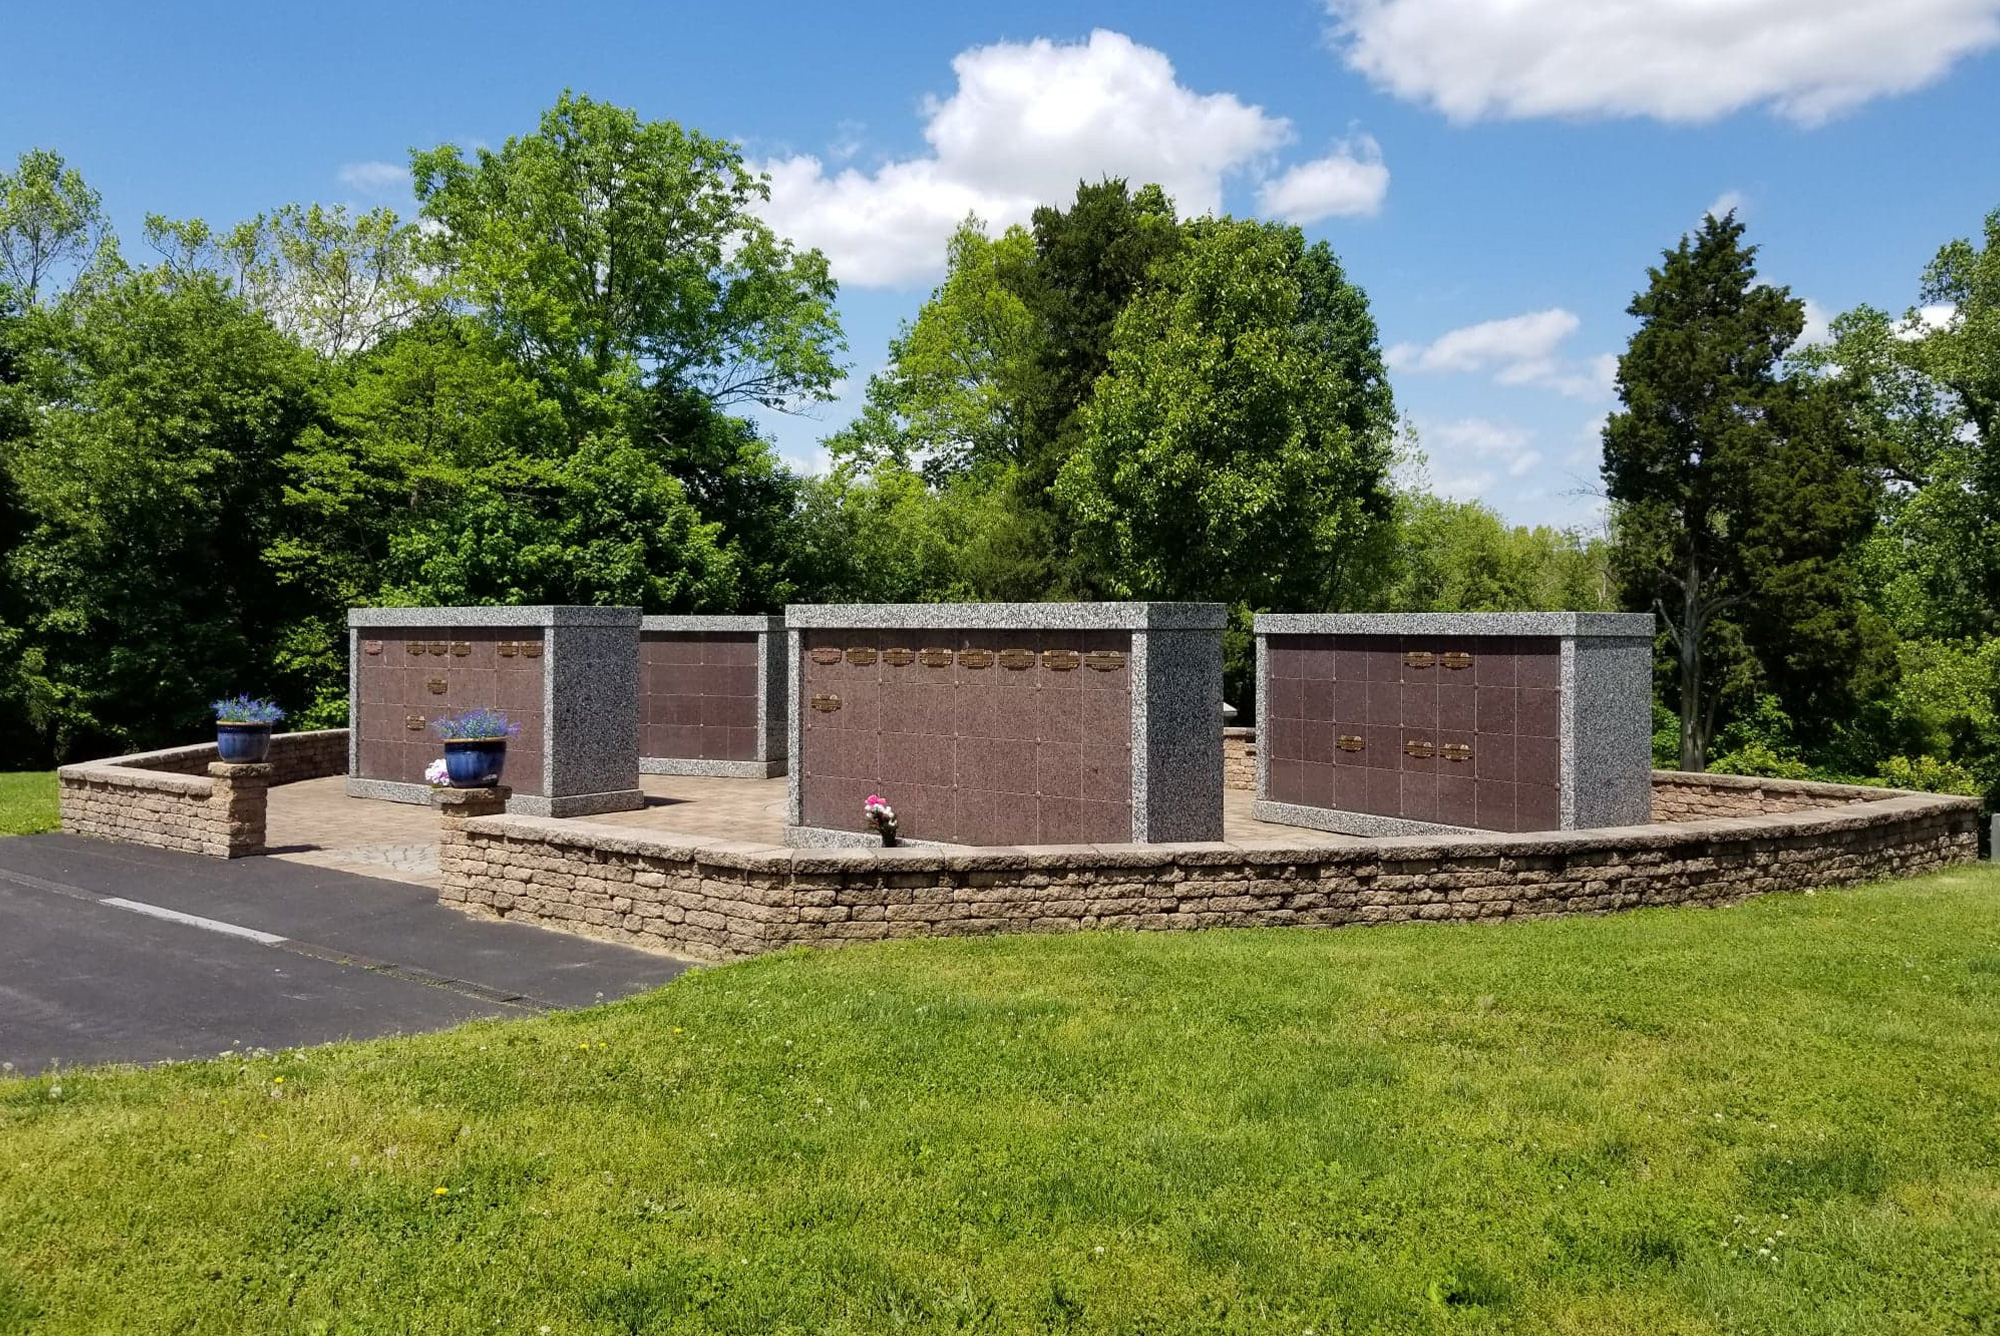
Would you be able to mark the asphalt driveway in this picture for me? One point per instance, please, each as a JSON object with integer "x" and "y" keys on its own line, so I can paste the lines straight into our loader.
{"x": 115, "y": 953}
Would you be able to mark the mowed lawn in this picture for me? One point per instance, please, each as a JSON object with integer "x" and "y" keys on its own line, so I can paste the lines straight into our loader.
{"x": 27, "y": 801}
{"x": 1782, "y": 1117}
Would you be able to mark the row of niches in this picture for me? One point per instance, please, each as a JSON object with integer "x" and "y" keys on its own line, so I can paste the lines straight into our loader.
{"x": 484, "y": 649}
{"x": 1536, "y": 711}
{"x": 1499, "y": 661}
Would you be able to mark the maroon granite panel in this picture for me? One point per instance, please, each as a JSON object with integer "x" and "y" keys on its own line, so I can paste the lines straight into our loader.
{"x": 698, "y": 695}
{"x": 409, "y": 677}
{"x": 1467, "y": 726}
{"x": 977, "y": 737}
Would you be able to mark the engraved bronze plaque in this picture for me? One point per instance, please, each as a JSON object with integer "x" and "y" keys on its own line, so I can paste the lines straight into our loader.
{"x": 1456, "y": 658}
{"x": 1017, "y": 659}
{"x": 899, "y": 658}
{"x": 414, "y": 722}
{"x": 1349, "y": 742}
{"x": 975, "y": 658}
{"x": 1419, "y": 658}
{"x": 460, "y": 648}
{"x": 1104, "y": 660}
{"x": 371, "y": 647}
{"x": 508, "y": 649}
{"x": 826, "y": 704}
{"x": 934, "y": 658}
{"x": 414, "y": 646}
{"x": 861, "y": 656}
{"x": 826, "y": 657}
{"x": 531, "y": 649}
{"x": 1456, "y": 751}
{"x": 435, "y": 686}
{"x": 1419, "y": 747}
{"x": 437, "y": 647}
{"x": 1061, "y": 660}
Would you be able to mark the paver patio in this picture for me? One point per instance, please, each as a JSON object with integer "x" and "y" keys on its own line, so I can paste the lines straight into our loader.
{"x": 315, "y": 822}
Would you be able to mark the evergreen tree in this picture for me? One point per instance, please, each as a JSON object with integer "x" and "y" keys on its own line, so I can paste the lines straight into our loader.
{"x": 1739, "y": 494}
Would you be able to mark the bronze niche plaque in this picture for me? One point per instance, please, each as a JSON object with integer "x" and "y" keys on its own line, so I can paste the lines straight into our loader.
{"x": 507, "y": 649}
{"x": 1419, "y": 658}
{"x": 531, "y": 649}
{"x": 1104, "y": 661}
{"x": 460, "y": 648}
{"x": 1420, "y": 747}
{"x": 861, "y": 656}
{"x": 435, "y": 686}
{"x": 1061, "y": 660}
{"x": 1017, "y": 659}
{"x": 934, "y": 658}
{"x": 438, "y": 647}
{"x": 1349, "y": 742}
{"x": 975, "y": 658}
{"x": 826, "y": 657}
{"x": 1456, "y": 658}
{"x": 1456, "y": 751}
{"x": 414, "y": 722}
{"x": 414, "y": 646}
{"x": 899, "y": 658}
{"x": 826, "y": 704}
{"x": 371, "y": 647}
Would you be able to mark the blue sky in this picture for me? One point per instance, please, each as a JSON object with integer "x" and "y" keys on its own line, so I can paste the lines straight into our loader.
{"x": 1497, "y": 177}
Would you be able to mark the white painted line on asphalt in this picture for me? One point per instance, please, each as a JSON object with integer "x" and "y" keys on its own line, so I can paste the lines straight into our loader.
{"x": 193, "y": 920}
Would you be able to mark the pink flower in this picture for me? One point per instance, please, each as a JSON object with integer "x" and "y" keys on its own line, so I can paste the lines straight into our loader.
{"x": 874, "y": 800}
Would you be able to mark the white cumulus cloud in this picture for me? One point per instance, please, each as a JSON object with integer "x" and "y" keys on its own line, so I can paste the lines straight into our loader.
{"x": 1348, "y": 182}
{"x": 1676, "y": 60}
{"x": 1027, "y": 121}
{"x": 375, "y": 178}
{"x": 1517, "y": 350}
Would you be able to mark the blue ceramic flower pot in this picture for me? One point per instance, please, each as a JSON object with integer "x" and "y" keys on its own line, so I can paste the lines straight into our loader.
{"x": 242, "y": 744}
{"x": 475, "y": 763}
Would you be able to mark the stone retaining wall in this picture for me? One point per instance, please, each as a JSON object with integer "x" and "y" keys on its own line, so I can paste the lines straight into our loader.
{"x": 1679, "y": 795}
{"x": 718, "y": 900}
{"x": 1239, "y": 759}
{"x": 183, "y": 798}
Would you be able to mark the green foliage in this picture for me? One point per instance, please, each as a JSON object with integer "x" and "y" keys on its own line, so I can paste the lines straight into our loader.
{"x": 148, "y": 471}
{"x": 50, "y": 219}
{"x": 1237, "y": 447}
{"x": 604, "y": 250}
{"x": 1768, "y": 1119}
{"x": 1740, "y": 493}
{"x": 1459, "y": 556}
{"x": 960, "y": 389}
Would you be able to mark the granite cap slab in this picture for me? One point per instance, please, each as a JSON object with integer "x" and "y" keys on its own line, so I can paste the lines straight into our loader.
{"x": 499, "y": 615}
{"x": 1573, "y": 624}
{"x": 707, "y": 622}
{"x": 1007, "y": 616}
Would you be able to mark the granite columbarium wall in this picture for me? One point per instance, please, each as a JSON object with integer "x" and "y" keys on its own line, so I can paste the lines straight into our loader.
{"x": 1004, "y": 723}
{"x": 1382, "y": 724}
{"x": 712, "y": 694}
{"x": 569, "y": 676}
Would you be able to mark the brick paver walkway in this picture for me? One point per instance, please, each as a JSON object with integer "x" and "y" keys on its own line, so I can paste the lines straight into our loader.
{"x": 316, "y": 822}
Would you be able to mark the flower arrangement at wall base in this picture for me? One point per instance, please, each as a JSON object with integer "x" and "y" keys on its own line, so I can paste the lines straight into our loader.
{"x": 243, "y": 728}
{"x": 881, "y": 818}
{"x": 438, "y": 774}
{"x": 475, "y": 747}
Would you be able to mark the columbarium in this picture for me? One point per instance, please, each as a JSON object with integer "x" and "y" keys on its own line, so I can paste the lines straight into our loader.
{"x": 1392, "y": 724}
{"x": 568, "y": 676}
{"x": 712, "y": 694}
{"x": 1007, "y": 723}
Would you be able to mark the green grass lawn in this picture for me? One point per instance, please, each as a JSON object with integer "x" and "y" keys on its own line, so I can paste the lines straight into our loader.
{"x": 1783, "y": 1117}
{"x": 27, "y": 801}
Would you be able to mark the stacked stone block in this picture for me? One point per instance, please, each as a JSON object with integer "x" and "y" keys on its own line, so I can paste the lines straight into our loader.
{"x": 718, "y": 901}
{"x": 185, "y": 799}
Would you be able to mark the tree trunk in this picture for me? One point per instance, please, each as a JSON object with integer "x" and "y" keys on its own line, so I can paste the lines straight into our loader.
{"x": 1694, "y": 733}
